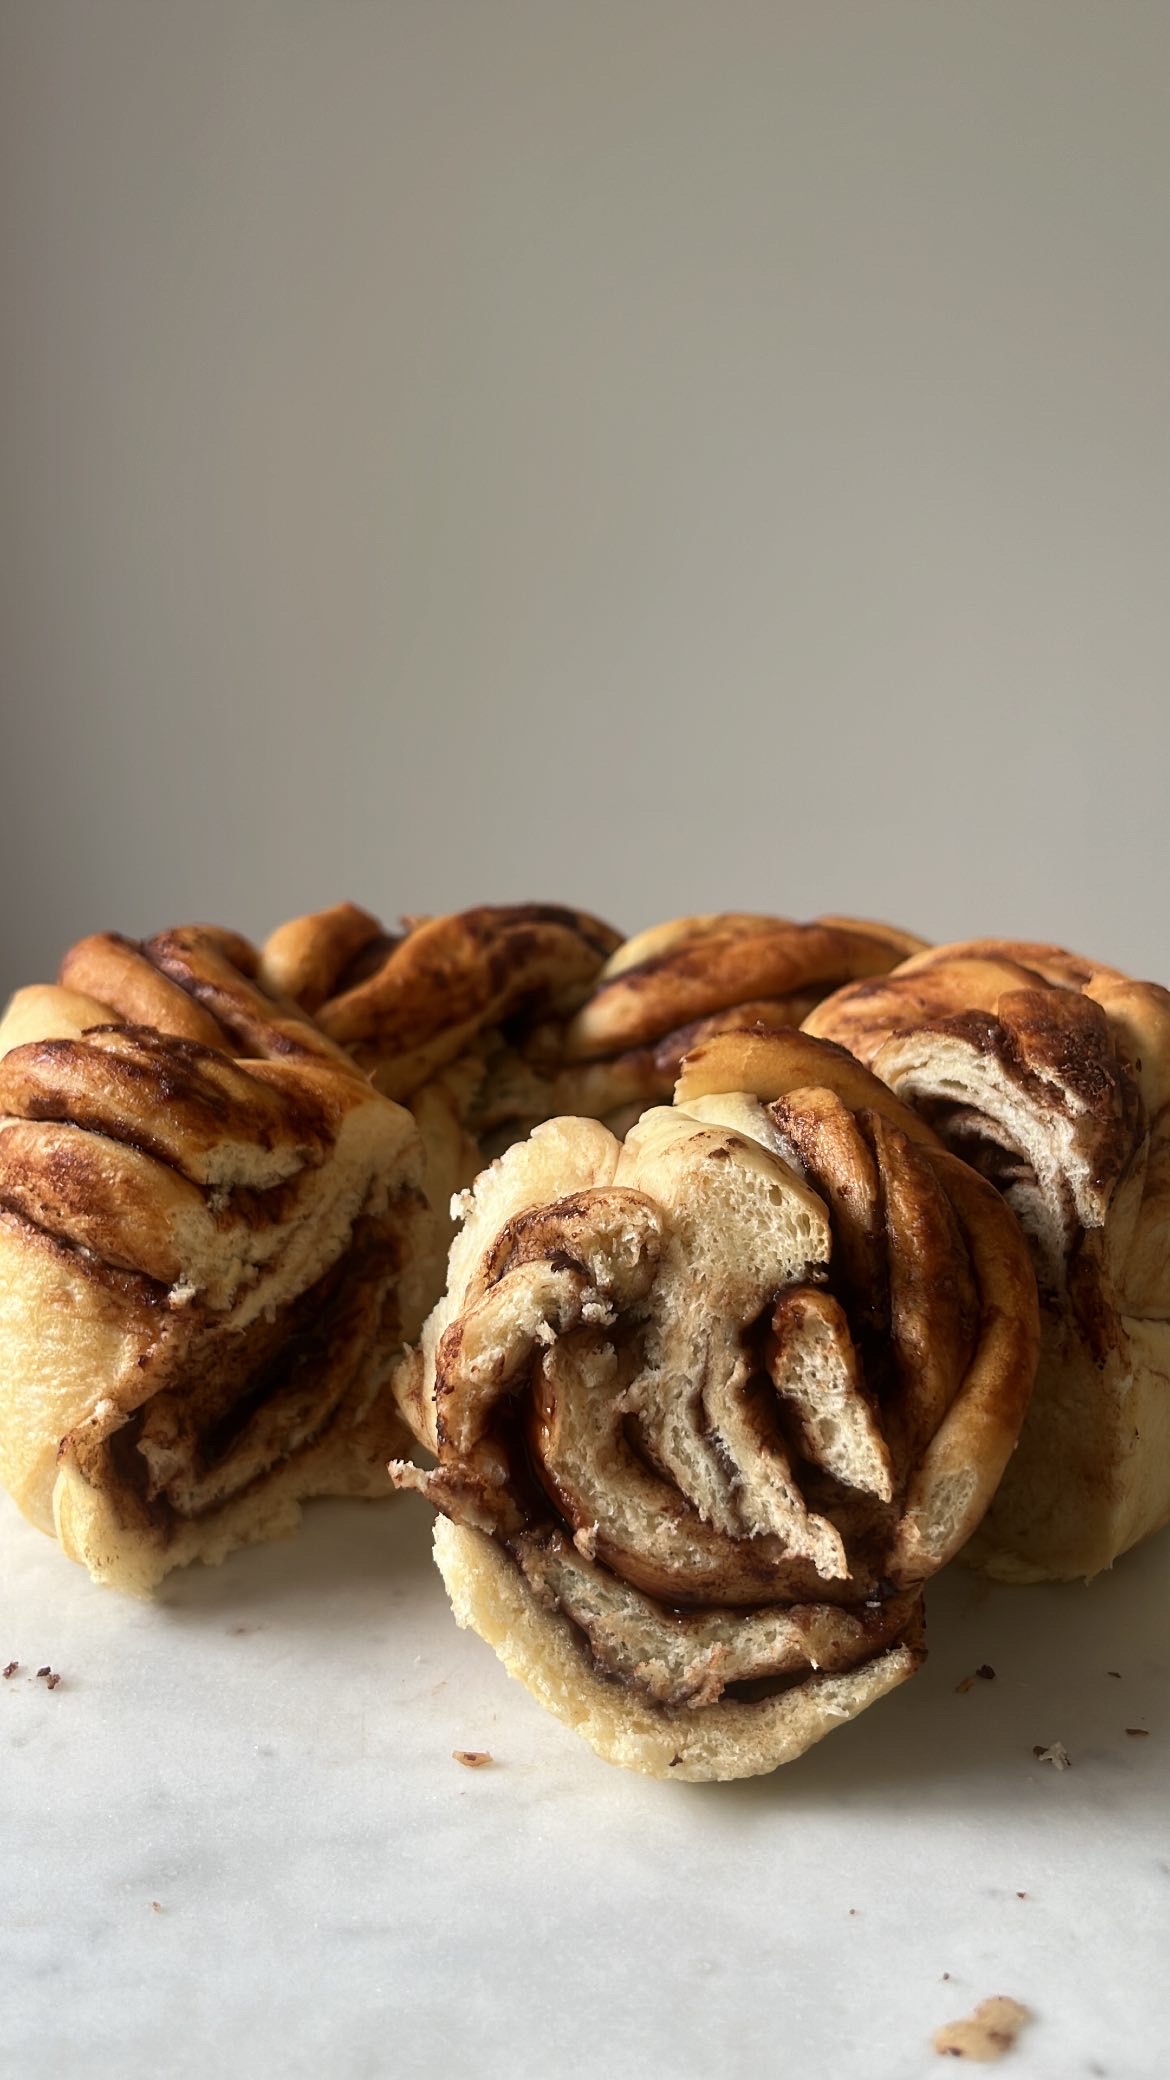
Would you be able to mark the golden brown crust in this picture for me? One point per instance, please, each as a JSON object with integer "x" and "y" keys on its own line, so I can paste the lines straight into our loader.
{"x": 406, "y": 1006}
{"x": 721, "y": 1410}
{"x": 1052, "y": 1075}
{"x": 939, "y": 981}
{"x": 197, "y": 982}
{"x": 699, "y": 967}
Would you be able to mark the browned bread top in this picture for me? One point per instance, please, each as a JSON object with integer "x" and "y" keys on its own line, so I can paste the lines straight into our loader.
{"x": 408, "y": 1004}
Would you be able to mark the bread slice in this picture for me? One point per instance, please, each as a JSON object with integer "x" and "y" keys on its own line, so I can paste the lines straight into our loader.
{"x": 703, "y": 1425}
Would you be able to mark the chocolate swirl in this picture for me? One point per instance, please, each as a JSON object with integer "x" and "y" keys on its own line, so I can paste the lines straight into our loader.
{"x": 206, "y": 1264}
{"x": 709, "y": 1408}
{"x": 1052, "y": 1076}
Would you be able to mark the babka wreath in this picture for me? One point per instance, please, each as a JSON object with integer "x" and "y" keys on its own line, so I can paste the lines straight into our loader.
{"x": 715, "y": 1287}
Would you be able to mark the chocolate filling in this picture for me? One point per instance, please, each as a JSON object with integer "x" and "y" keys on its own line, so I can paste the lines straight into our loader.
{"x": 245, "y": 1401}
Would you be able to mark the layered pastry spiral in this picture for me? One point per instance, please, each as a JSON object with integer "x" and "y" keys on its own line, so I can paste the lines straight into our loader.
{"x": 207, "y": 1262}
{"x": 708, "y": 1408}
{"x": 1051, "y": 1076}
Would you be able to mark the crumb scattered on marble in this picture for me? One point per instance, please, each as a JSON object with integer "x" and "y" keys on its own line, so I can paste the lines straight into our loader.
{"x": 985, "y": 1672}
{"x": 1056, "y": 1753}
{"x": 156, "y": 1906}
{"x": 1114, "y": 1672}
{"x": 961, "y": 1689}
{"x": 946, "y": 1975}
{"x": 471, "y": 1758}
{"x": 10, "y": 1669}
{"x": 1021, "y": 1895}
{"x": 986, "y": 2034}
{"x": 52, "y": 1680}
{"x": 853, "y": 1910}
{"x": 45, "y": 1671}
{"x": 1138, "y": 1733}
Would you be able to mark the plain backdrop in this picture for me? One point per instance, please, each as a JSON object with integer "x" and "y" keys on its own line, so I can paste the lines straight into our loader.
{"x": 657, "y": 455}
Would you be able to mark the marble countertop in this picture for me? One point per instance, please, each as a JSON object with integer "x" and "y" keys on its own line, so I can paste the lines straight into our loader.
{"x": 233, "y": 1840}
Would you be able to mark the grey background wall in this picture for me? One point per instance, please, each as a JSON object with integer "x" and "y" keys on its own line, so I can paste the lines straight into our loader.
{"x": 655, "y": 454}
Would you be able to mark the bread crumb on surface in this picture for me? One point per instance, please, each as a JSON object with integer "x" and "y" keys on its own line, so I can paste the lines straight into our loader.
{"x": 156, "y": 1906}
{"x": 471, "y": 1758}
{"x": 1056, "y": 1753}
{"x": 10, "y": 1669}
{"x": 986, "y": 2034}
{"x": 45, "y": 1671}
{"x": 1138, "y": 1733}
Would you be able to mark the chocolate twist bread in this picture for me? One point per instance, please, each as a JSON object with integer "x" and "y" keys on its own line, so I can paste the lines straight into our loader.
{"x": 432, "y": 1013}
{"x": 1052, "y": 1076}
{"x": 487, "y": 1021}
{"x": 206, "y": 1264}
{"x": 670, "y": 988}
{"x": 708, "y": 1408}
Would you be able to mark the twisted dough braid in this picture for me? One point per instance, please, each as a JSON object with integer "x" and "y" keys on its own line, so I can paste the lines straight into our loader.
{"x": 198, "y": 983}
{"x": 492, "y": 1019}
{"x": 667, "y": 990}
{"x": 709, "y": 1408}
{"x": 1052, "y": 1076}
{"x": 206, "y": 1264}
{"x": 407, "y": 1005}
{"x": 428, "y": 1012}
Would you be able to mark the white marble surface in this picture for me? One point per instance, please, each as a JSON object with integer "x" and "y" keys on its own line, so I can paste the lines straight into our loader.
{"x": 267, "y": 1754}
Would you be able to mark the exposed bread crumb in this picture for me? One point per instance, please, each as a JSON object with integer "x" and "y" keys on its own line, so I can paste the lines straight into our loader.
{"x": 985, "y": 2035}
{"x": 585, "y": 1541}
{"x": 10, "y": 1669}
{"x": 471, "y": 1758}
{"x": 961, "y": 1689}
{"x": 52, "y": 1680}
{"x": 1138, "y": 1733}
{"x": 156, "y": 1906}
{"x": 985, "y": 1672}
{"x": 45, "y": 1671}
{"x": 1056, "y": 1753}
{"x": 1021, "y": 1895}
